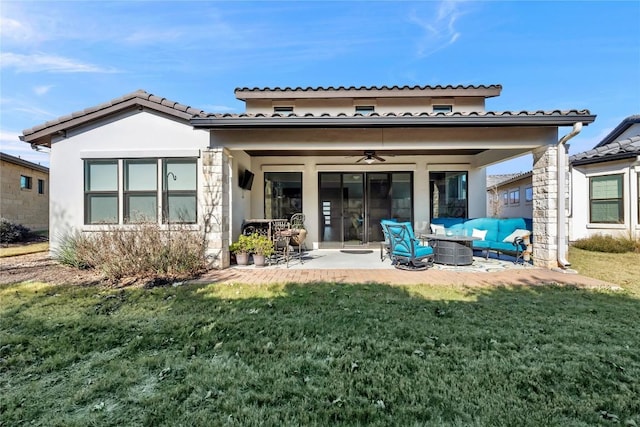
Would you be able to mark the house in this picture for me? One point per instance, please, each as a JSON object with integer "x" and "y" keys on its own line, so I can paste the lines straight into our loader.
{"x": 510, "y": 195}
{"x": 24, "y": 192}
{"x": 605, "y": 183}
{"x": 346, "y": 157}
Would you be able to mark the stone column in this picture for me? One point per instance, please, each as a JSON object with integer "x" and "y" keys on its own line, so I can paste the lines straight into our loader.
{"x": 216, "y": 203}
{"x": 545, "y": 207}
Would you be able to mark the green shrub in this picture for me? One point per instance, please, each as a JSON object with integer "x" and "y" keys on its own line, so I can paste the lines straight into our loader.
{"x": 143, "y": 251}
{"x": 609, "y": 244}
{"x": 12, "y": 233}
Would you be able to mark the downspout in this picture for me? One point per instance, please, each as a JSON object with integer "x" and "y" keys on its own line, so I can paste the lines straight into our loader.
{"x": 562, "y": 180}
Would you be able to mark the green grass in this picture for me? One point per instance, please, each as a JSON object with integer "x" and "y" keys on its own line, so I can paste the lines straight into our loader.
{"x": 318, "y": 354}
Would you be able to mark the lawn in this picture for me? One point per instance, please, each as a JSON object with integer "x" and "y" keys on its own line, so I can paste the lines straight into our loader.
{"x": 318, "y": 354}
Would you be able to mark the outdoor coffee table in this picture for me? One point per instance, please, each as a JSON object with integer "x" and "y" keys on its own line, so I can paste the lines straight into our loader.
{"x": 451, "y": 250}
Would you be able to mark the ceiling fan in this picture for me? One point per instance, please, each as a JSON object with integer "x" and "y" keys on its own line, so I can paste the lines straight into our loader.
{"x": 370, "y": 157}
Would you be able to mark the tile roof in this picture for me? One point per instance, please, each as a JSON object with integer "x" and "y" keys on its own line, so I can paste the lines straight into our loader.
{"x": 623, "y": 149}
{"x": 486, "y": 91}
{"x": 42, "y": 133}
{"x": 500, "y": 179}
{"x": 619, "y": 130}
{"x": 484, "y": 118}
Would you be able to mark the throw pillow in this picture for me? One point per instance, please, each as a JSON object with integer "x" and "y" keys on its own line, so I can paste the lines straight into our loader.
{"x": 437, "y": 229}
{"x": 517, "y": 233}
{"x": 479, "y": 233}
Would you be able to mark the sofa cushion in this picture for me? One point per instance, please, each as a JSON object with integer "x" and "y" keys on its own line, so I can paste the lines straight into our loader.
{"x": 489, "y": 224}
{"x": 481, "y": 244}
{"x": 437, "y": 229}
{"x": 507, "y": 226}
{"x": 519, "y": 232}
{"x": 481, "y": 234}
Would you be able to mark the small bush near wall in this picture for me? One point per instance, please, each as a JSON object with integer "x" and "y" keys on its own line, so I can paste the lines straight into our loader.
{"x": 607, "y": 243}
{"x": 12, "y": 233}
{"x": 144, "y": 252}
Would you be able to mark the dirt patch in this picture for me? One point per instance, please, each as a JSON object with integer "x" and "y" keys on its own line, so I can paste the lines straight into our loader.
{"x": 40, "y": 267}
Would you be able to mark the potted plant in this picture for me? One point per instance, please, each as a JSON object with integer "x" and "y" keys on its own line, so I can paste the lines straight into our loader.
{"x": 241, "y": 249}
{"x": 261, "y": 247}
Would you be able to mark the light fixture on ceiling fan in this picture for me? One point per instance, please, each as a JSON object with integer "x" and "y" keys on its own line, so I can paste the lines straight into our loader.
{"x": 370, "y": 157}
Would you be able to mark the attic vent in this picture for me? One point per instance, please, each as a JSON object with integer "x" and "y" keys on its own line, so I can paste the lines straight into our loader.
{"x": 365, "y": 109}
{"x": 442, "y": 108}
{"x": 286, "y": 109}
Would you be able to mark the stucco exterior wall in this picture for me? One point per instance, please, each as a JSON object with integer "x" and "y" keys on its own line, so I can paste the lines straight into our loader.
{"x": 382, "y": 105}
{"x": 580, "y": 225}
{"x": 20, "y": 205}
{"x": 523, "y": 208}
{"x": 131, "y": 134}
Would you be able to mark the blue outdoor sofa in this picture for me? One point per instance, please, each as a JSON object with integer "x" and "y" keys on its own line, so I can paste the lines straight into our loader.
{"x": 502, "y": 235}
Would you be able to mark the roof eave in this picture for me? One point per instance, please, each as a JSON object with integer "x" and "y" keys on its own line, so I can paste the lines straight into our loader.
{"x": 44, "y": 136}
{"x": 355, "y": 122}
{"x": 605, "y": 158}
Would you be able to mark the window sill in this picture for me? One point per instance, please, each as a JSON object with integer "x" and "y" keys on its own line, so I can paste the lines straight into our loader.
{"x": 164, "y": 227}
{"x": 615, "y": 226}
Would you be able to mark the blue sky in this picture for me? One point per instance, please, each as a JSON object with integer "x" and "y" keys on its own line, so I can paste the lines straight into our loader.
{"x": 61, "y": 57}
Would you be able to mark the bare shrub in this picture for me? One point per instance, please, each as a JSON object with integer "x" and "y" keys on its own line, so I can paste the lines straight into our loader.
{"x": 142, "y": 251}
{"x": 607, "y": 243}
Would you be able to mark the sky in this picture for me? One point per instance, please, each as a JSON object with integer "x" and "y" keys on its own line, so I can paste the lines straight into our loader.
{"x": 58, "y": 57}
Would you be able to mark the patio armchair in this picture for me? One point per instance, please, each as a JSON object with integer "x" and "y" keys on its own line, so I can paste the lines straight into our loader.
{"x": 406, "y": 251}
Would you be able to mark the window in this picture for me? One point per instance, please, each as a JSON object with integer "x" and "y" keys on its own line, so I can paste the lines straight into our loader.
{"x": 365, "y": 109}
{"x": 140, "y": 190}
{"x": 282, "y": 194}
{"x": 287, "y": 109}
{"x": 41, "y": 186}
{"x": 442, "y": 108}
{"x": 180, "y": 190}
{"x": 528, "y": 194}
{"x": 25, "y": 182}
{"x": 145, "y": 192}
{"x": 514, "y": 196}
{"x": 448, "y": 194}
{"x": 505, "y": 198}
{"x": 101, "y": 192}
{"x": 605, "y": 199}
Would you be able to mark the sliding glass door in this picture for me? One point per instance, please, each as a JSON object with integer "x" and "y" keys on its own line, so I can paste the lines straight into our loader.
{"x": 352, "y": 205}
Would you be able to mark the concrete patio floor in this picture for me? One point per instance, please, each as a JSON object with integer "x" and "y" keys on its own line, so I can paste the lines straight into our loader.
{"x": 329, "y": 265}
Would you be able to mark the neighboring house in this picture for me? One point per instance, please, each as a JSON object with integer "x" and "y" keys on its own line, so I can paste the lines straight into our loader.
{"x": 24, "y": 195}
{"x": 510, "y": 195}
{"x": 605, "y": 184}
{"x": 346, "y": 157}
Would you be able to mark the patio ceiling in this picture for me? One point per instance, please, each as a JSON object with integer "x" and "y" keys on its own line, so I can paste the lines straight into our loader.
{"x": 352, "y": 152}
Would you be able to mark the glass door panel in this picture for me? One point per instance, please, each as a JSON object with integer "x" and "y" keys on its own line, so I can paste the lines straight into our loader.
{"x": 353, "y": 208}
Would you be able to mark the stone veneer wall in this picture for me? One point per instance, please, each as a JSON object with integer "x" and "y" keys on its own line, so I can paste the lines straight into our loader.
{"x": 545, "y": 207}
{"x": 24, "y": 206}
{"x": 216, "y": 188}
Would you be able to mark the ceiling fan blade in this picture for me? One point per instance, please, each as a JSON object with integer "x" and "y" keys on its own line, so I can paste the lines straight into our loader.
{"x": 361, "y": 159}
{"x": 378, "y": 158}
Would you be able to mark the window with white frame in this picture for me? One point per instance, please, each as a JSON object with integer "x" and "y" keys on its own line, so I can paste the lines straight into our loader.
{"x": 606, "y": 199}
{"x": 145, "y": 193}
